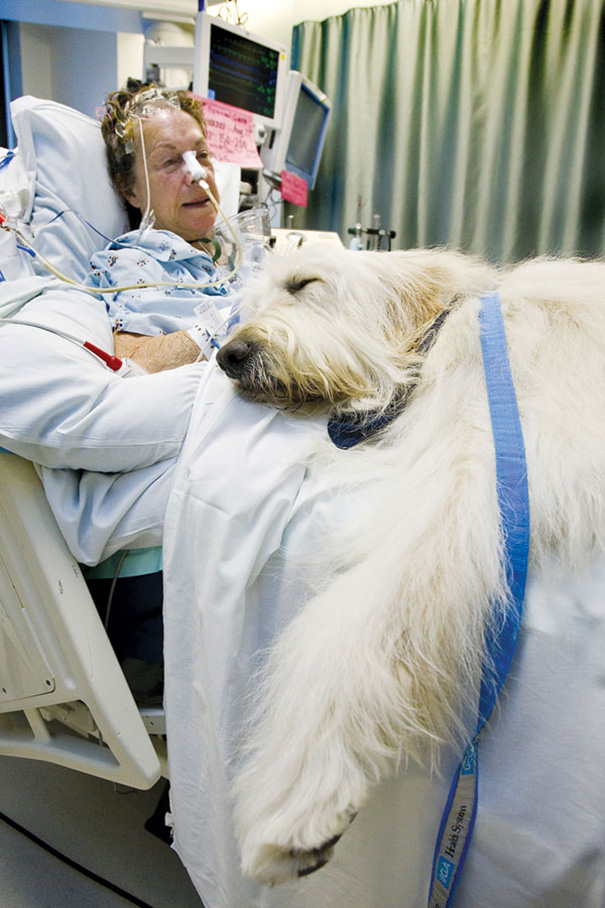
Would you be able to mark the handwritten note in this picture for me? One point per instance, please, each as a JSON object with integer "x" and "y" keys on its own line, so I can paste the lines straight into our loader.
{"x": 230, "y": 134}
{"x": 293, "y": 188}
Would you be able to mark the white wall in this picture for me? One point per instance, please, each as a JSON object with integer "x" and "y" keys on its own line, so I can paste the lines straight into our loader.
{"x": 74, "y": 66}
{"x": 130, "y": 58}
{"x": 36, "y": 59}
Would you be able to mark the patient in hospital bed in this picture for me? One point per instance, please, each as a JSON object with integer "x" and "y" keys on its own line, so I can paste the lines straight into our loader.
{"x": 145, "y": 130}
{"x": 156, "y": 324}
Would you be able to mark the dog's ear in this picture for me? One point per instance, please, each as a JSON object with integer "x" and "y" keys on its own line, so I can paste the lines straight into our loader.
{"x": 423, "y": 282}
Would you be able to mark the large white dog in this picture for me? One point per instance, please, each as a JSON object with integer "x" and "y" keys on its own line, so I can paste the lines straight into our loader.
{"x": 383, "y": 664}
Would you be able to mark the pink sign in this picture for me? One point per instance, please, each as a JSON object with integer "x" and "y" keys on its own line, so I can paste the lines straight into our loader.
{"x": 293, "y": 188}
{"x": 231, "y": 134}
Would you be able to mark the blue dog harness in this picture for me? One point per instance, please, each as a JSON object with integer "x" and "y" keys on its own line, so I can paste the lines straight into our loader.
{"x": 460, "y": 811}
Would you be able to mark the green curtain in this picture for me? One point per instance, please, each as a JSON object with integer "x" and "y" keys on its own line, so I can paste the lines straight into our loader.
{"x": 474, "y": 123}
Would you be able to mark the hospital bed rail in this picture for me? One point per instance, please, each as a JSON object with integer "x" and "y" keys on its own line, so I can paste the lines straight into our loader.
{"x": 63, "y": 696}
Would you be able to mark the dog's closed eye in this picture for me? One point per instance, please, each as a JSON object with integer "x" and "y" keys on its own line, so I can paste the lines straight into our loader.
{"x": 295, "y": 285}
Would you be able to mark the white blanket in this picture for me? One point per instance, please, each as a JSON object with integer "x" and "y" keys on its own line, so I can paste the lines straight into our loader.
{"x": 244, "y": 518}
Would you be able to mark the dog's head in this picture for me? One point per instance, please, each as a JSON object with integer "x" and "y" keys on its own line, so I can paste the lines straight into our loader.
{"x": 342, "y": 327}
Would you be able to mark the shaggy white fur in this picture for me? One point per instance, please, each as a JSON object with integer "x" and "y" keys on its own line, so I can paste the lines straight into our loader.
{"x": 382, "y": 664}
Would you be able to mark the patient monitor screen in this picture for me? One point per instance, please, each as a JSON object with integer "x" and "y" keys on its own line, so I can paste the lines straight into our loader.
{"x": 307, "y": 131}
{"x": 242, "y": 72}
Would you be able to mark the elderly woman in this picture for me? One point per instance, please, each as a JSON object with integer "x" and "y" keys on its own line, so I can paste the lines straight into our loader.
{"x": 146, "y": 131}
{"x": 165, "y": 269}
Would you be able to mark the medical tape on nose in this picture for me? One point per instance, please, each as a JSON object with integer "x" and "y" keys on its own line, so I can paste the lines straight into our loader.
{"x": 194, "y": 168}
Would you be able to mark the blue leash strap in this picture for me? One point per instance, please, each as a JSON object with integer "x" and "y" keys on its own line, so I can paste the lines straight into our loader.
{"x": 460, "y": 811}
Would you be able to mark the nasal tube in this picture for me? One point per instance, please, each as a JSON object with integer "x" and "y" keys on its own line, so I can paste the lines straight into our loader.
{"x": 198, "y": 173}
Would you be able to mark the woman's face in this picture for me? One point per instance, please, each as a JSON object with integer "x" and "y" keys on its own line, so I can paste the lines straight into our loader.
{"x": 179, "y": 204}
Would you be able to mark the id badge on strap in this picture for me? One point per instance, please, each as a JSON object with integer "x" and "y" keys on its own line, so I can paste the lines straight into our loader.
{"x": 456, "y": 829}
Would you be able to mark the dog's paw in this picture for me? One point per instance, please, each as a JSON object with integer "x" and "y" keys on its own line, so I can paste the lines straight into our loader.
{"x": 293, "y": 804}
{"x": 271, "y": 864}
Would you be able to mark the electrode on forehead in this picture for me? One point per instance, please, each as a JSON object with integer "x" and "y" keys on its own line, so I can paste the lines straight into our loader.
{"x": 150, "y": 104}
{"x": 153, "y": 102}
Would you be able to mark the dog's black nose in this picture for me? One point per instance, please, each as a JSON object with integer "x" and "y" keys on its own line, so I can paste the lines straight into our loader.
{"x": 232, "y": 357}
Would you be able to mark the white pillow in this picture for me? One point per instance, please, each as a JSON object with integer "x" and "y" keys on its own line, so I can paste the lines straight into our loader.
{"x": 64, "y": 153}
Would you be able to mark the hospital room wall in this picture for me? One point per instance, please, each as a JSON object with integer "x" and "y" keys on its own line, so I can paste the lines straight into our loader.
{"x": 66, "y": 51}
{"x": 55, "y": 60}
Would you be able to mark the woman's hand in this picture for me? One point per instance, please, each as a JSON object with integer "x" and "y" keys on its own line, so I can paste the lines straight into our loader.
{"x": 155, "y": 354}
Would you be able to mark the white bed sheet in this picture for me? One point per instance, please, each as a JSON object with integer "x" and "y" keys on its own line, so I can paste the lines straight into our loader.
{"x": 243, "y": 515}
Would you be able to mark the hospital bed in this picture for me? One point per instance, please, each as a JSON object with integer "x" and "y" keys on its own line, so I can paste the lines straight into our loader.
{"x": 243, "y": 516}
{"x": 63, "y": 696}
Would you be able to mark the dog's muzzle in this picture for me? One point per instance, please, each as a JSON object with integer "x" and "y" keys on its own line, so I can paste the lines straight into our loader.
{"x": 234, "y": 358}
{"x": 248, "y": 364}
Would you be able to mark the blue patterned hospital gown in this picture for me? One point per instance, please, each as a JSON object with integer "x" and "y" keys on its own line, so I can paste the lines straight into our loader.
{"x": 159, "y": 256}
